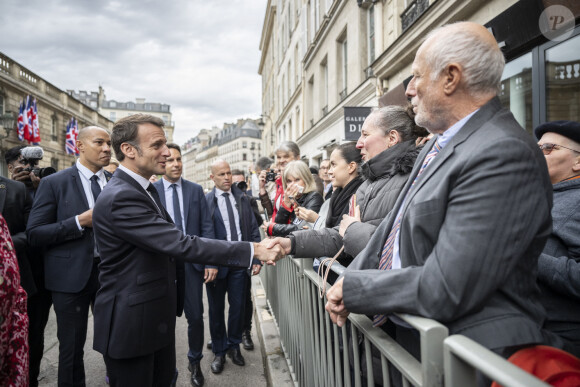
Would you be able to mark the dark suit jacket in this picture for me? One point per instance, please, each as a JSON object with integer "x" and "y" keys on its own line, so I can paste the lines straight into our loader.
{"x": 472, "y": 229}
{"x": 15, "y": 204}
{"x": 248, "y": 225}
{"x": 69, "y": 255}
{"x": 197, "y": 222}
{"x": 135, "y": 306}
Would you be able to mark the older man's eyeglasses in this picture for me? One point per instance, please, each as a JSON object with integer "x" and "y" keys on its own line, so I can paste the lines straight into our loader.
{"x": 547, "y": 148}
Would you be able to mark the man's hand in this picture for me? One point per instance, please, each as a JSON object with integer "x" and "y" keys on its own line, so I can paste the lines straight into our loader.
{"x": 256, "y": 269}
{"x": 348, "y": 220}
{"x": 209, "y": 275}
{"x": 270, "y": 256}
{"x": 86, "y": 218}
{"x": 23, "y": 176}
{"x": 35, "y": 180}
{"x": 335, "y": 304}
{"x": 284, "y": 243}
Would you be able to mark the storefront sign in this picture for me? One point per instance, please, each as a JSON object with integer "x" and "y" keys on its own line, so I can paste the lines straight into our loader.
{"x": 353, "y": 121}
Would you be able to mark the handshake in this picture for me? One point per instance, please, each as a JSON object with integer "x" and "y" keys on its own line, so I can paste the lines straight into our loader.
{"x": 272, "y": 250}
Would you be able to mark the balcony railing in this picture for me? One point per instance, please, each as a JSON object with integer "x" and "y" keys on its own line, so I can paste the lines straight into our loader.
{"x": 412, "y": 12}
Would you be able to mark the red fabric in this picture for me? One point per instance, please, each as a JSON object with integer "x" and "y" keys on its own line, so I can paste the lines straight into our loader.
{"x": 551, "y": 365}
{"x": 279, "y": 194}
{"x": 13, "y": 317}
{"x": 270, "y": 227}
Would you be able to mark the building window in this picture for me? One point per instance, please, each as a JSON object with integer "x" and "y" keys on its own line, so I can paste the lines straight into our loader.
{"x": 113, "y": 116}
{"x": 342, "y": 62}
{"x": 371, "y": 33}
{"x": 53, "y": 130}
{"x": 244, "y": 157}
{"x": 112, "y": 104}
{"x": 244, "y": 144}
{"x": 324, "y": 85}
{"x": 54, "y": 163}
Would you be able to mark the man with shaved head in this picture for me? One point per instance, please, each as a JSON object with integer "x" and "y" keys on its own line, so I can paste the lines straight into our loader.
{"x": 61, "y": 223}
{"x": 461, "y": 245}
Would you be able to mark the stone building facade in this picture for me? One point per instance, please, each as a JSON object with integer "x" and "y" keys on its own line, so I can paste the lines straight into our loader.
{"x": 359, "y": 53}
{"x": 55, "y": 109}
{"x": 240, "y": 144}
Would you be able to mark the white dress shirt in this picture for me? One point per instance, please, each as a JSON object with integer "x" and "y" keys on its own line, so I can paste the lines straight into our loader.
{"x": 85, "y": 175}
{"x": 221, "y": 201}
{"x": 169, "y": 198}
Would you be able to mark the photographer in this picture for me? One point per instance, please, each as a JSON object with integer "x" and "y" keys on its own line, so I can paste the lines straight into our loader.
{"x": 239, "y": 180}
{"x": 17, "y": 204}
{"x": 22, "y": 165}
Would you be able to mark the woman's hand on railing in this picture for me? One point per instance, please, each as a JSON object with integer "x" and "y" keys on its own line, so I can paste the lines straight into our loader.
{"x": 335, "y": 304}
{"x": 306, "y": 214}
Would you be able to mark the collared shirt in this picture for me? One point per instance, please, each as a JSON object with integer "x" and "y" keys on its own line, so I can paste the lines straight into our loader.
{"x": 169, "y": 197}
{"x": 221, "y": 201}
{"x": 442, "y": 140}
{"x": 85, "y": 175}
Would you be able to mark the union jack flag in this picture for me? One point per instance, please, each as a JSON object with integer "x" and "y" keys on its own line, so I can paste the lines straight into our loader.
{"x": 27, "y": 116}
{"x": 35, "y": 130}
{"x": 72, "y": 132}
{"x": 21, "y": 122}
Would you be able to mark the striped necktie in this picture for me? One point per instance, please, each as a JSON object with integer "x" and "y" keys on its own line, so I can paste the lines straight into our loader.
{"x": 386, "y": 262}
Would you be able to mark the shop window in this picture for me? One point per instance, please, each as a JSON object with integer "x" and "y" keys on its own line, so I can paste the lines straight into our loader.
{"x": 516, "y": 90}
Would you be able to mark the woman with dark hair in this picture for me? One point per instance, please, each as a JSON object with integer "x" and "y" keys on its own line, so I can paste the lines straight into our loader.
{"x": 344, "y": 171}
{"x": 387, "y": 145}
{"x": 299, "y": 191}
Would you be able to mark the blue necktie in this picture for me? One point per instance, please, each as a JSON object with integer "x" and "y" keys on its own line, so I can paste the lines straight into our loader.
{"x": 176, "y": 209}
{"x": 95, "y": 187}
{"x": 232, "y": 219}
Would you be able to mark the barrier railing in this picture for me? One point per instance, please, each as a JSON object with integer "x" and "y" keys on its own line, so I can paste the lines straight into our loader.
{"x": 321, "y": 354}
{"x": 463, "y": 357}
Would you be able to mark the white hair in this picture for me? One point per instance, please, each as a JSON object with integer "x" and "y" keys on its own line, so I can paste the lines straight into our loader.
{"x": 482, "y": 63}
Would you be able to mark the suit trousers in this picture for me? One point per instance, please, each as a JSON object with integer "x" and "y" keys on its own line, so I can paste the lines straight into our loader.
{"x": 193, "y": 309}
{"x": 156, "y": 369}
{"x": 248, "y": 307}
{"x": 72, "y": 313}
{"x": 235, "y": 285}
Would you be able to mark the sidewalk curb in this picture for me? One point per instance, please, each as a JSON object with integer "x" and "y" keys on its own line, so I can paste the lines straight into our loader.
{"x": 275, "y": 364}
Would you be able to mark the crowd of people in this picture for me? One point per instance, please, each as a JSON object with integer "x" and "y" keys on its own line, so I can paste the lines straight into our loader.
{"x": 445, "y": 209}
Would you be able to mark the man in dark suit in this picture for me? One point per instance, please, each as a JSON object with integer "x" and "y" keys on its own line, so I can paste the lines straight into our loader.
{"x": 190, "y": 213}
{"x": 461, "y": 245}
{"x": 247, "y": 342}
{"x": 61, "y": 222}
{"x": 233, "y": 221}
{"x": 135, "y": 306}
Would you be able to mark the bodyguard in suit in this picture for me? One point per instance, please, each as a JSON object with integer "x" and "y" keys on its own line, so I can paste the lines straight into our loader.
{"x": 185, "y": 203}
{"x": 61, "y": 222}
{"x": 461, "y": 245}
{"x": 135, "y": 306}
{"x": 234, "y": 221}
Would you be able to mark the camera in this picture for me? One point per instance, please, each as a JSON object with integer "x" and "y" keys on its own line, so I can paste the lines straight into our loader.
{"x": 270, "y": 176}
{"x": 31, "y": 155}
{"x": 241, "y": 185}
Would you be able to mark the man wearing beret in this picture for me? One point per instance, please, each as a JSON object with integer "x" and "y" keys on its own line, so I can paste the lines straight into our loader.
{"x": 559, "y": 263}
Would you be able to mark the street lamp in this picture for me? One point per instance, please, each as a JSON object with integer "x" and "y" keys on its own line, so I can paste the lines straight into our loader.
{"x": 7, "y": 121}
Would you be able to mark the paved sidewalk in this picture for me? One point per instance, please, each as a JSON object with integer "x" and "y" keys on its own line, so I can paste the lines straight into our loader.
{"x": 252, "y": 374}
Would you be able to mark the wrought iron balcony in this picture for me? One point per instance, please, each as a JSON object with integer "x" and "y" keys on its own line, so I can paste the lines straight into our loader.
{"x": 413, "y": 12}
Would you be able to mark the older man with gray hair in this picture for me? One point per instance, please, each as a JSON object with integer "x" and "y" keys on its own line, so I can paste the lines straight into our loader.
{"x": 461, "y": 244}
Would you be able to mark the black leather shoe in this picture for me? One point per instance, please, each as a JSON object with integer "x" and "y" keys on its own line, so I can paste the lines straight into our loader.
{"x": 236, "y": 356}
{"x": 247, "y": 341}
{"x": 197, "y": 378}
{"x": 209, "y": 346}
{"x": 217, "y": 365}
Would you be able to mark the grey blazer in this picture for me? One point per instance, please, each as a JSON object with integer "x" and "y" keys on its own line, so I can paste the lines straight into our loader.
{"x": 473, "y": 227}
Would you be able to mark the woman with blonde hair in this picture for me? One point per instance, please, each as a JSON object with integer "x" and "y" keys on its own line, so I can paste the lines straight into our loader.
{"x": 299, "y": 191}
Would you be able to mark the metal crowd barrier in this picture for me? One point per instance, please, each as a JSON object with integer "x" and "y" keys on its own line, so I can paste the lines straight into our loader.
{"x": 463, "y": 357}
{"x": 321, "y": 354}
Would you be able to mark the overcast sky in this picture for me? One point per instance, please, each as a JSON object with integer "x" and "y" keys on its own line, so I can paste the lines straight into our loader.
{"x": 199, "y": 56}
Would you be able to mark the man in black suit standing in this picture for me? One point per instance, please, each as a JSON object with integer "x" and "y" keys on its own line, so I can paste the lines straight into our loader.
{"x": 233, "y": 221}
{"x": 185, "y": 203}
{"x": 136, "y": 303}
{"x": 61, "y": 222}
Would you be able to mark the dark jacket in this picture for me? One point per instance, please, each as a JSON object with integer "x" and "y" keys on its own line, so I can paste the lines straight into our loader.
{"x": 559, "y": 265}
{"x": 385, "y": 175}
{"x": 285, "y": 217}
{"x": 248, "y": 226}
